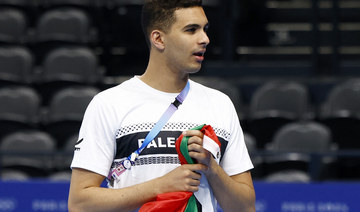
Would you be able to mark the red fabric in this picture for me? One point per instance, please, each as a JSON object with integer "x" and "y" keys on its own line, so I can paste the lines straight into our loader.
{"x": 176, "y": 201}
{"x": 209, "y": 132}
{"x": 168, "y": 202}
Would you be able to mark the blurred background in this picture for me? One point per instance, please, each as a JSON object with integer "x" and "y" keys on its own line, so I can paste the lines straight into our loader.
{"x": 291, "y": 67}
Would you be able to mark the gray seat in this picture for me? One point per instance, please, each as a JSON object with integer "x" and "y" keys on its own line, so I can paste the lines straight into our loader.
{"x": 13, "y": 26}
{"x": 275, "y": 104}
{"x": 280, "y": 98}
{"x": 16, "y": 65}
{"x": 66, "y": 110}
{"x": 341, "y": 112}
{"x": 302, "y": 137}
{"x": 293, "y": 145}
{"x": 344, "y": 100}
{"x": 21, "y": 104}
{"x": 19, "y": 109}
{"x": 68, "y": 66}
{"x": 31, "y": 151}
{"x": 64, "y": 25}
{"x": 71, "y": 64}
{"x": 70, "y": 103}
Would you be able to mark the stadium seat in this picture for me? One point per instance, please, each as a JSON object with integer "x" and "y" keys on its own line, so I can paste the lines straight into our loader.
{"x": 68, "y": 66}
{"x": 65, "y": 112}
{"x": 274, "y": 104}
{"x": 302, "y": 137}
{"x": 71, "y": 64}
{"x": 13, "y": 26}
{"x": 64, "y": 25}
{"x": 19, "y": 109}
{"x": 293, "y": 145}
{"x": 31, "y": 151}
{"x": 17, "y": 64}
{"x": 341, "y": 112}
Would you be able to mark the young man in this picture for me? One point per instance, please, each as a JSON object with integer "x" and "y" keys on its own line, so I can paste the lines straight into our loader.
{"x": 118, "y": 119}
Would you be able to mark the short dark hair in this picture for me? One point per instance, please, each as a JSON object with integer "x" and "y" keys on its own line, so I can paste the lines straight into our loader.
{"x": 159, "y": 14}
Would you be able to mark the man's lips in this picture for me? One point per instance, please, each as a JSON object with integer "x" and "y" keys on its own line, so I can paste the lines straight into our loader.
{"x": 199, "y": 55}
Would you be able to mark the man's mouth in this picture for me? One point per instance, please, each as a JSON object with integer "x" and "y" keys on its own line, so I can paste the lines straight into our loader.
{"x": 199, "y": 55}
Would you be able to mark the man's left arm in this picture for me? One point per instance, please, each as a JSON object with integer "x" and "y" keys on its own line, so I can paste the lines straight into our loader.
{"x": 234, "y": 193}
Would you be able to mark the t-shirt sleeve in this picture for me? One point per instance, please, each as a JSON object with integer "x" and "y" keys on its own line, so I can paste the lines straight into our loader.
{"x": 96, "y": 146}
{"x": 236, "y": 158}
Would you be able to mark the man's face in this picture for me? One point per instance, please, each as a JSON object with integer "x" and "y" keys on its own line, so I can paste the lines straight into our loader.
{"x": 185, "y": 43}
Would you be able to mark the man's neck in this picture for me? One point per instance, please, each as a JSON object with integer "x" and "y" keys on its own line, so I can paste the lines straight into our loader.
{"x": 164, "y": 79}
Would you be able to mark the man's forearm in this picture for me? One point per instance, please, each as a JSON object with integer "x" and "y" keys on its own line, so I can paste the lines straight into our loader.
{"x": 235, "y": 193}
{"x": 86, "y": 194}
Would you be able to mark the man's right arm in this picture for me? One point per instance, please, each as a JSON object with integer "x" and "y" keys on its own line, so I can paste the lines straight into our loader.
{"x": 87, "y": 195}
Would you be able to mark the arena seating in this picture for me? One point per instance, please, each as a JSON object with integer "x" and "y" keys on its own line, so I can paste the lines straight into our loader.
{"x": 306, "y": 49}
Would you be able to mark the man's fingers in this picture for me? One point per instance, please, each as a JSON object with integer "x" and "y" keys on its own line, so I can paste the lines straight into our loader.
{"x": 193, "y": 133}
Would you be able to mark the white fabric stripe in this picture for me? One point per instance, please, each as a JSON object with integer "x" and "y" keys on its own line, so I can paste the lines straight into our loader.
{"x": 204, "y": 194}
{"x": 211, "y": 146}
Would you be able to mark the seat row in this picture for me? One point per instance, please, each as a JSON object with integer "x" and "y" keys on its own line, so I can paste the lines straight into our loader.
{"x": 21, "y": 108}
{"x": 306, "y": 147}
{"x": 34, "y": 153}
{"x": 276, "y": 102}
{"x": 300, "y": 152}
{"x": 73, "y": 64}
{"x": 271, "y": 105}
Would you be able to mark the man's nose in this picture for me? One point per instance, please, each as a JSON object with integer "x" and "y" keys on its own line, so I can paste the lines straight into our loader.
{"x": 204, "y": 39}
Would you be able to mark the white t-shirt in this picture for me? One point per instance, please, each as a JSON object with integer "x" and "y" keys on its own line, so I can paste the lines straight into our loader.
{"x": 118, "y": 119}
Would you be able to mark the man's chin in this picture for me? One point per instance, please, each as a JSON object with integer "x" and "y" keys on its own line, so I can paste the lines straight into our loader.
{"x": 194, "y": 69}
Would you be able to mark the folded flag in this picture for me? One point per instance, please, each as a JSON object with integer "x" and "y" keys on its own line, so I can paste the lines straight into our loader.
{"x": 186, "y": 201}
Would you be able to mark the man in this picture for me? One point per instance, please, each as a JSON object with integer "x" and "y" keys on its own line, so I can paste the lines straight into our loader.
{"x": 118, "y": 119}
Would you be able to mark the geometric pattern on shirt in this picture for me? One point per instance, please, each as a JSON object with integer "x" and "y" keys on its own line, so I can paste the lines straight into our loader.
{"x": 180, "y": 126}
{"x": 153, "y": 160}
{"x": 158, "y": 160}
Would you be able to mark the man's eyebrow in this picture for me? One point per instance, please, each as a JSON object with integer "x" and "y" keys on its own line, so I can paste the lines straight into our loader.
{"x": 192, "y": 26}
{"x": 196, "y": 26}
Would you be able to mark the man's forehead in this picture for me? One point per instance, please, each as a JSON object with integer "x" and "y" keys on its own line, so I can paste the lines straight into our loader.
{"x": 192, "y": 15}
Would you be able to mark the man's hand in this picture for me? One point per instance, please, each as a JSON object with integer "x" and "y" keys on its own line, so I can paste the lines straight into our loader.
{"x": 184, "y": 178}
{"x": 196, "y": 149}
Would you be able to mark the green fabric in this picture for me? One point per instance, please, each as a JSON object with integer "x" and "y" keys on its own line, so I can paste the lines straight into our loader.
{"x": 184, "y": 146}
{"x": 191, "y": 205}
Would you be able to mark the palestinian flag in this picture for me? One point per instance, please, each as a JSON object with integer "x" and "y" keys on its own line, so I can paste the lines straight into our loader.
{"x": 185, "y": 201}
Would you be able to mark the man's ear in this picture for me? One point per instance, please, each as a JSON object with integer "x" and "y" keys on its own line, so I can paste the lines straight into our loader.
{"x": 156, "y": 38}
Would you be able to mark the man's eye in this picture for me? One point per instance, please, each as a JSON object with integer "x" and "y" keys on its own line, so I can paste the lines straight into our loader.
{"x": 191, "y": 30}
